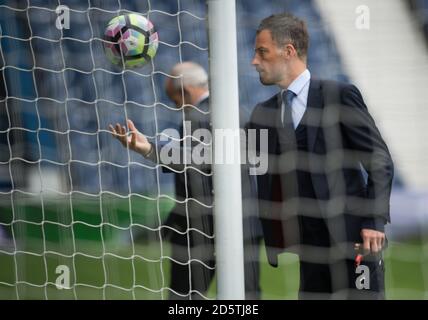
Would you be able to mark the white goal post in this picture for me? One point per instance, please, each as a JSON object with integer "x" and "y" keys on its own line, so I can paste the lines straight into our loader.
{"x": 227, "y": 177}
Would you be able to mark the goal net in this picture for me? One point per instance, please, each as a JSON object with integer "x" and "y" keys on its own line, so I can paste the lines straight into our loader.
{"x": 80, "y": 216}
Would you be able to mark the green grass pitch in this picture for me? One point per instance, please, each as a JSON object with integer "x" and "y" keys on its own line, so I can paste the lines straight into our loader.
{"x": 105, "y": 264}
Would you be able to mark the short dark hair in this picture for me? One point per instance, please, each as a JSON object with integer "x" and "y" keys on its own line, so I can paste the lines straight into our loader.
{"x": 286, "y": 28}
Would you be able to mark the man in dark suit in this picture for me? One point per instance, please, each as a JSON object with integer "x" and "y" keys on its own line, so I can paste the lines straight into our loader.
{"x": 315, "y": 200}
{"x": 189, "y": 226}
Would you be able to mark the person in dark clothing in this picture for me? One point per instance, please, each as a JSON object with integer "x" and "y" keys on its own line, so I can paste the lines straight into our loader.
{"x": 189, "y": 226}
{"x": 314, "y": 199}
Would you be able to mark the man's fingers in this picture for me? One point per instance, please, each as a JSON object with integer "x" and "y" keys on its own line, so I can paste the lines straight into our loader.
{"x": 374, "y": 245}
{"x": 371, "y": 245}
{"x": 131, "y": 125}
{"x": 133, "y": 138}
{"x": 114, "y": 131}
{"x": 373, "y": 241}
{"x": 123, "y": 136}
{"x": 118, "y": 130}
{"x": 133, "y": 130}
{"x": 381, "y": 242}
{"x": 366, "y": 245}
{"x": 378, "y": 241}
{"x": 118, "y": 133}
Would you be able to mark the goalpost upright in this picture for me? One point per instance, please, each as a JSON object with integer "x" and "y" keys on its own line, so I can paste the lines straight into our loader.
{"x": 224, "y": 99}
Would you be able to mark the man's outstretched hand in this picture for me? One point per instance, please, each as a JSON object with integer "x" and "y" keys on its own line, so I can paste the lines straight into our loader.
{"x": 373, "y": 241}
{"x": 135, "y": 141}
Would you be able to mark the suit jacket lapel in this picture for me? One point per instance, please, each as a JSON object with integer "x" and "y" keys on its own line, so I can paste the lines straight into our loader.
{"x": 274, "y": 110}
{"x": 314, "y": 109}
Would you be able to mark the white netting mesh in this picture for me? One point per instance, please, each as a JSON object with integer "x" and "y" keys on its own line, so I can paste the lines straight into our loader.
{"x": 73, "y": 196}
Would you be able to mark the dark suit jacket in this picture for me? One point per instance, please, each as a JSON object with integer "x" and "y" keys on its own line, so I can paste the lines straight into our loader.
{"x": 194, "y": 192}
{"x": 343, "y": 141}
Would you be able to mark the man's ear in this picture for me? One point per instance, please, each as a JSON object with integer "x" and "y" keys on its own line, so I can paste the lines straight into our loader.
{"x": 291, "y": 50}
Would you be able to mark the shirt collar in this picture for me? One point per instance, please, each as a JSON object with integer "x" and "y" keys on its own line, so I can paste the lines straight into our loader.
{"x": 202, "y": 98}
{"x": 299, "y": 83}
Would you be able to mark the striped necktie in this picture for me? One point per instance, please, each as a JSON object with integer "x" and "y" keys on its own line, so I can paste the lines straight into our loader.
{"x": 287, "y": 99}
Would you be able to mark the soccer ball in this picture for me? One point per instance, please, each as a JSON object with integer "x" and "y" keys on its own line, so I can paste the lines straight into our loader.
{"x": 130, "y": 40}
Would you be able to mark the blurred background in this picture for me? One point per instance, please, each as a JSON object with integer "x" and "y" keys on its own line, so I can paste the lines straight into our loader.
{"x": 71, "y": 195}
